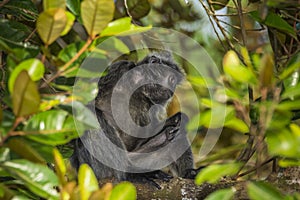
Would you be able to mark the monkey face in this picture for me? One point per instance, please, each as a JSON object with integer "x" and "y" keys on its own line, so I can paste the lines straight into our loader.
{"x": 162, "y": 77}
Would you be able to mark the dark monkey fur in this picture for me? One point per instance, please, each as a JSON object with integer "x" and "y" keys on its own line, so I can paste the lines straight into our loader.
{"x": 141, "y": 101}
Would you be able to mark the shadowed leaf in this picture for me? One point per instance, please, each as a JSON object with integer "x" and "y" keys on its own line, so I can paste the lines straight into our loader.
{"x": 26, "y": 98}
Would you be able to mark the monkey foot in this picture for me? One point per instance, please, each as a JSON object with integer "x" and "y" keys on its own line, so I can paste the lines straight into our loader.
{"x": 149, "y": 178}
{"x": 192, "y": 173}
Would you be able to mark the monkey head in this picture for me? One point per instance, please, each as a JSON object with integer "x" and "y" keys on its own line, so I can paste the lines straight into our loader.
{"x": 161, "y": 76}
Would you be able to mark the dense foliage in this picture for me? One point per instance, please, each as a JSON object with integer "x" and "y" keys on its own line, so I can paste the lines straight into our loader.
{"x": 255, "y": 44}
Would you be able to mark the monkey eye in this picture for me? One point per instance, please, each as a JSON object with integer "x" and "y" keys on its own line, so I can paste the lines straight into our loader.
{"x": 172, "y": 80}
{"x": 154, "y": 59}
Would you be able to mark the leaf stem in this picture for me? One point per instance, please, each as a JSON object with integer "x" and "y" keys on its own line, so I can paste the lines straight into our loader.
{"x": 65, "y": 67}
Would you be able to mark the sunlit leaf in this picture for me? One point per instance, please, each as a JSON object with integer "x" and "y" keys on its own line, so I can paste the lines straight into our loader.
{"x": 50, "y": 24}
{"x": 263, "y": 190}
{"x": 87, "y": 182}
{"x": 275, "y": 21}
{"x": 114, "y": 44}
{"x": 34, "y": 68}
{"x": 215, "y": 172}
{"x": 285, "y": 142}
{"x": 60, "y": 167}
{"x": 222, "y": 194}
{"x": 117, "y": 26}
{"x": 237, "y": 124}
{"x": 51, "y": 127}
{"x": 70, "y": 21}
{"x": 123, "y": 191}
{"x": 47, "y": 4}
{"x": 233, "y": 67}
{"x": 25, "y": 96}
{"x": 215, "y": 117}
{"x": 4, "y": 154}
{"x": 38, "y": 178}
{"x": 138, "y": 8}
{"x": 246, "y": 57}
{"x": 122, "y": 27}
{"x": 286, "y": 162}
{"x": 96, "y": 14}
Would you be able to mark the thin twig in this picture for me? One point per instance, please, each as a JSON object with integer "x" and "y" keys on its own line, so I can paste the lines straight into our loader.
{"x": 209, "y": 14}
{"x": 255, "y": 168}
{"x": 239, "y": 7}
{"x": 78, "y": 54}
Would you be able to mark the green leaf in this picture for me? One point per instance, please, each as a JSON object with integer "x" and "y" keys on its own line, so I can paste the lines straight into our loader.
{"x": 48, "y": 4}
{"x": 289, "y": 105}
{"x": 285, "y": 143}
{"x": 117, "y": 26}
{"x": 263, "y": 190}
{"x": 233, "y": 67}
{"x": 266, "y": 71}
{"x": 25, "y": 96}
{"x": 286, "y": 162}
{"x": 86, "y": 91}
{"x": 53, "y": 127}
{"x": 1, "y": 115}
{"x": 7, "y": 44}
{"x": 22, "y": 9}
{"x": 291, "y": 92}
{"x": 237, "y": 124}
{"x": 87, "y": 182}
{"x": 34, "y": 68}
{"x": 275, "y": 21}
{"x": 222, "y": 194}
{"x": 38, "y": 178}
{"x": 4, "y": 154}
{"x": 6, "y": 193}
{"x": 46, "y": 151}
{"x": 96, "y": 14}
{"x": 60, "y": 167}
{"x": 13, "y": 30}
{"x": 292, "y": 66}
{"x": 20, "y": 147}
{"x": 70, "y": 21}
{"x": 83, "y": 115}
{"x": 50, "y": 24}
{"x": 215, "y": 172}
{"x": 114, "y": 44}
{"x": 74, "y": 6}
{"x": 70, "y": 51}
{"x": 138, "y": 8}
{"x": 123, "y": 26}
{"x": 123, "y": 191}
